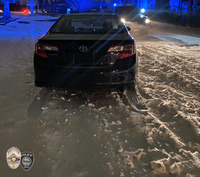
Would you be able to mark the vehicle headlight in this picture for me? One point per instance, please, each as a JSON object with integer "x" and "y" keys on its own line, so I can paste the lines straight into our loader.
{"x": 123, "y": 20}
{"x": 141, "y": 15}
{"x": 142, "y": 10}
{"x": 147, "y": 21}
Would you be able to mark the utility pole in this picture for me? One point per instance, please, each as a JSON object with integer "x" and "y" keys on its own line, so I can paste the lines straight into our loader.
{"x": 6, "y": 10}
{"x": 189, "y": 12}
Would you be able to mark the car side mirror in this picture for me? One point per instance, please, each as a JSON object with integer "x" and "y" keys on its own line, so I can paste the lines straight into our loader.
{"x": 128, "y": 28}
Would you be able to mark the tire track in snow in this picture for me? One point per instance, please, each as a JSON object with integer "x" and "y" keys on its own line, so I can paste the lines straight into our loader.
{"x": 157, "y": 121}
{"x": 169, "y": 97}
{"x": 168, "y": 87}
{"x": 163, "y": 145}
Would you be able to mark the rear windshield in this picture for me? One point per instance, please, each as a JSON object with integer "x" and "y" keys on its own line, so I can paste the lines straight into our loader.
{"x": 89, "y": 25}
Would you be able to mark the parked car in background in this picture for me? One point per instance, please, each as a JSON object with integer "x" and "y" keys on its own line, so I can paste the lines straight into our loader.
{"x": 87, "y": 50}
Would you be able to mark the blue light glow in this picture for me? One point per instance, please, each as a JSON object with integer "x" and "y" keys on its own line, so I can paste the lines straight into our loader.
{"x": 114, "y": 4}
{"x": 68, "y": 10}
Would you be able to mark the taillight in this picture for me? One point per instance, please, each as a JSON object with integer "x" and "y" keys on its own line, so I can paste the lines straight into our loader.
{"x": 117, "y": 48}
{"x": 127, "y": 50}
{"x": 41, "y": 49}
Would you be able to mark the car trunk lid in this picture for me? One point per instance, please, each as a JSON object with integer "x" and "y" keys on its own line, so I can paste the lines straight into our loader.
{"x": 84, "y": 50}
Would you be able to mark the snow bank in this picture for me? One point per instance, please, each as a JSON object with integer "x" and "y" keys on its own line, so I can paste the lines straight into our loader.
{"x": 181, "y": 39}
{"x": 27, "y": 27}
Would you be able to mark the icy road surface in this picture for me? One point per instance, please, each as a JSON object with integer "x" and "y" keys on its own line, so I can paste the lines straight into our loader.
{"x": 84, "y": 133}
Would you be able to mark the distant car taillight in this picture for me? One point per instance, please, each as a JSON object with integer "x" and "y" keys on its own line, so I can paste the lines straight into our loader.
{"x": 25, "y": 11}
{"x": 127, "y": 50}
{"x": 41, "y": 49}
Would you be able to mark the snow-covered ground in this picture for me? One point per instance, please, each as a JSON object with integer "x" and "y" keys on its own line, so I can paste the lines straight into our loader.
{"x": 84, "y": 133}
{"x": 26, "y": 27}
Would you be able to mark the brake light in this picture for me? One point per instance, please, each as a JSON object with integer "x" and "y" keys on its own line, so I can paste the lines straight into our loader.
{"x": 41, "y": 49}
{"x": 127, "y": 50}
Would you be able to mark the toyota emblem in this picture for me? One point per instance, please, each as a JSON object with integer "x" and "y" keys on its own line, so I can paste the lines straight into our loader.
{"x": 83, "y": 48}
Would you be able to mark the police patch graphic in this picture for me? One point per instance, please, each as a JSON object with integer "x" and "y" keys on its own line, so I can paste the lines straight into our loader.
{"x": 27, "y": 159}
{"x": 13, "y": 157}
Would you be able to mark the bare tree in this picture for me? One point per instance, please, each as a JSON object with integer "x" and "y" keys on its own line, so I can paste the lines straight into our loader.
{"x": 80, "y": 5}
{"x": 6, "y": 10}
{"x": 197, "y": 3}
{"x": 189, "y": 12}
{"x": 32, "y": 7}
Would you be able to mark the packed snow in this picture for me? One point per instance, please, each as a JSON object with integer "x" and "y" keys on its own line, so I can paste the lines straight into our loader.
{"x": 187, "y": 40}
{"x": 25, "y": 27}
{"x": 152, "y": 130}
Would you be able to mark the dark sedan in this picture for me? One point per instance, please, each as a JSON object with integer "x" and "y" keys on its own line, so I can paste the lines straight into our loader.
{"x": 86, "y": 50}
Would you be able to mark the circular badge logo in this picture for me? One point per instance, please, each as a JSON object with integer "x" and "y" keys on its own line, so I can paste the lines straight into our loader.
{"x": 83, "y": 48}
{"x": 26, "y": 161}
{"x": 13, "y": 157}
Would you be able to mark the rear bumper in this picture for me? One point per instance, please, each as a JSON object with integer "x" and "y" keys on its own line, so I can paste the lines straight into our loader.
{"x": 49, "y": 75}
